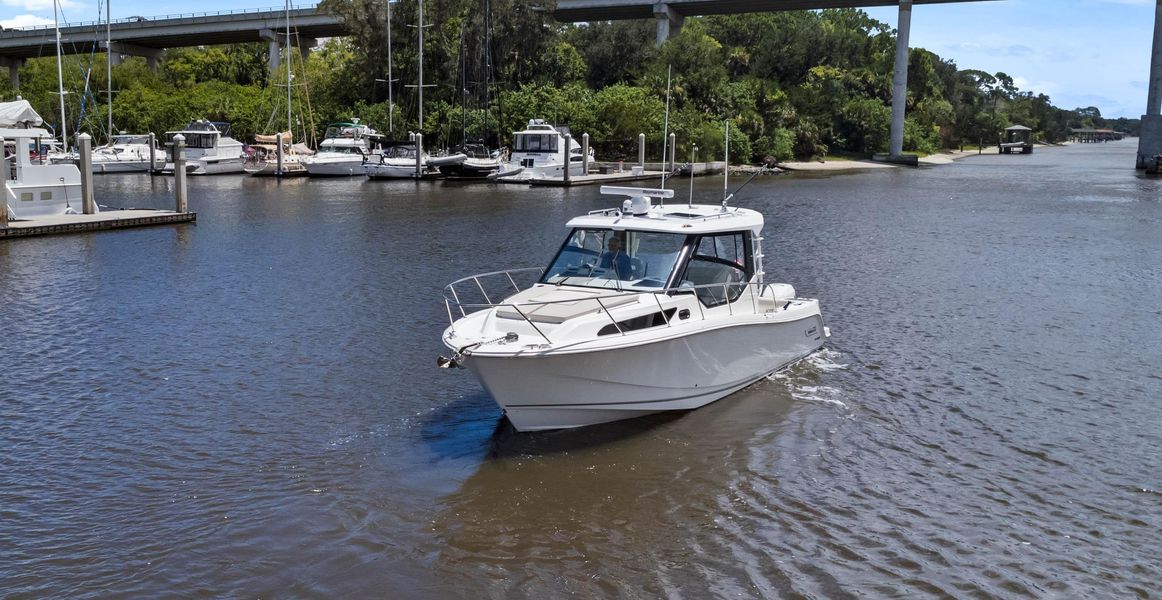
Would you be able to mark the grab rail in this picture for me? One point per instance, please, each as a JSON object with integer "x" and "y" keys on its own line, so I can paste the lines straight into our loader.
{"x": 479, "y": 281}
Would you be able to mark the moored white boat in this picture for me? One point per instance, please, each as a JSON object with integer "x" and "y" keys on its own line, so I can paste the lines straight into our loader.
{"x": 342, "y": 151}
{"x": 540, "y": 152}
{"x": 276, "y": 156}
{"x": 209, "y": 149}
{"x": 397, "y": 160}
{"x": 33, "y": 187}
{"x": 128, "y": 154}
{"x": 473, "y": 161}
{"x": 644, "y": 309}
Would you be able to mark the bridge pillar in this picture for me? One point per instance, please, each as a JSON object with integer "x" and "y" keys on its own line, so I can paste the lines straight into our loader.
{"x": 1150, "y": 137}
{"x": 278, "y": 40}
{"x": 274, "y": 52}
{"x": 305, "y": 45}
{"x": 119, "y": 49}
{"x": 669, "y": 21}
{"x": 900, "y": 82}
{"x": 14, "y": 65}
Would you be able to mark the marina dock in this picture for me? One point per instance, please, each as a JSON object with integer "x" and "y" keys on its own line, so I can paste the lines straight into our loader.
{"x": 610, "y": 173}
{"x": 114, "y": 219}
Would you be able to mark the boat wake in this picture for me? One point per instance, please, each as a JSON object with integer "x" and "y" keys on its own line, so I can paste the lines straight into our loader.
{"x": 802, "y": 379}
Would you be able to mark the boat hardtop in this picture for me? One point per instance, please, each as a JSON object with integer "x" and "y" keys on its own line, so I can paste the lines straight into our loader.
{"x": 684, "y": 219}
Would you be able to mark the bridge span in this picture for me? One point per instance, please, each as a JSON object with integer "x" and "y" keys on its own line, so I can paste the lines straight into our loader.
{"x": 671, "y": 13}
{"x": 149, "y": 37}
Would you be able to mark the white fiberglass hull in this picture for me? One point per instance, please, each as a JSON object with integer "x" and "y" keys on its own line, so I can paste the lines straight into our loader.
{"x": 206, "y": 166}
{"x": 387, "y": 170}
{"x": 126, "y": 166}
{"x": 556, "y": 390}
{"x": 345, "y": 166}
{"x": 552, "y": 170}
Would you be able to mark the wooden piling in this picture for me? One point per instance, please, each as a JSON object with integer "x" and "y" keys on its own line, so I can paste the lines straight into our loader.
{"x": 179, "y": 173}
{"x": 85, "y": 164}
{"x": 419, "y": 155}
{"x": 673, "y": 153}
{"x": 152, "y": 153}
{"x": 584, "y": 153}
{"x": 278, "y": 154}
{"x": 568, "y": 155}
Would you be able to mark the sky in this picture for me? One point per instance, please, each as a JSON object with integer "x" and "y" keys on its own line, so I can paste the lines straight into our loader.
{"x": 1080, "y": 53}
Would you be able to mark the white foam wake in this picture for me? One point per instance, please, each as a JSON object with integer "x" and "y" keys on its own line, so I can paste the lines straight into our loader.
{"x": 802, "y": 379}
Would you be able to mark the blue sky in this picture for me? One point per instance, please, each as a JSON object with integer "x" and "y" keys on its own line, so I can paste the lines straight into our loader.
{"x": 1079, "y": 52}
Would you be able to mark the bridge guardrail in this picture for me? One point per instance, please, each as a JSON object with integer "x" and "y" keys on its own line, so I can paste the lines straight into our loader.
{"x": 139, "y": 19}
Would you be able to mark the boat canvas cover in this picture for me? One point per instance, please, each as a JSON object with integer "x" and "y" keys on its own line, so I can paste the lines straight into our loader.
{"x": 287, "y": 137}
{"x": 18, "y": 113}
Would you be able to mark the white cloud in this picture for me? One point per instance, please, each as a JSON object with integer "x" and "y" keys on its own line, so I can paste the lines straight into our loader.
{"x": 24, "y": 21}
{"x": 39, "y": 5}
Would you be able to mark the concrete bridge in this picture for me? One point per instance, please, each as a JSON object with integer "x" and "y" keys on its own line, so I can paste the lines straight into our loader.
{"x": 139, "y": 36}
{"x": 149, "y": 37}
{"x": 671, "y": 13}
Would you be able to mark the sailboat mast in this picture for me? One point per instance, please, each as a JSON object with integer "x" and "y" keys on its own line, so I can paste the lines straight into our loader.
{"x": 289, "y": 127}
{"x": 421, "y": 86}
{"x": 60, "y": 75}
{"x": 390, "y": 102}
{"x": 109, "y": 65}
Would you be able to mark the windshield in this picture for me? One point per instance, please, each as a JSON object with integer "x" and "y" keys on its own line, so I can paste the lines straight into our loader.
{"x": 615, "y": 259}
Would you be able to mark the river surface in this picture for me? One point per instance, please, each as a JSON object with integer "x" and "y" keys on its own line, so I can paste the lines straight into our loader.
{"x": 249, "y": 407}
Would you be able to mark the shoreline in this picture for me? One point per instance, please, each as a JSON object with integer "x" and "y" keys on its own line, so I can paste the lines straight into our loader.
{"x": 941, "y": 158}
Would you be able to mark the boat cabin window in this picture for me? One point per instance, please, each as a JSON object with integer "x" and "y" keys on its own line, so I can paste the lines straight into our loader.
{"x": 340, "y": 149}
{"x": 615, "y": 259}
{"x": 536, "y": 142}
{"x": 719, "y": 268}
{"x": 197, "y": 140}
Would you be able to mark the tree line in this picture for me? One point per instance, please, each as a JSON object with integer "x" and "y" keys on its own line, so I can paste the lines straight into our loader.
{"x": 792, "y": 85}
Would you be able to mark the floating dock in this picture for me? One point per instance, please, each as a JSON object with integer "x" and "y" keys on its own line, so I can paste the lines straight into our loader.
{"x": 113, "y": 219}
{"x": 609, "y": 173}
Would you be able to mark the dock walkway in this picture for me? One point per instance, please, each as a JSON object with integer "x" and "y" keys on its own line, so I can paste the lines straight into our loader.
{"x": 113, "y": 219}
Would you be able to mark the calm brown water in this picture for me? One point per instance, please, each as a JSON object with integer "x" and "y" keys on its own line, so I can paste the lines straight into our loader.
{"x": 249, "y": 407}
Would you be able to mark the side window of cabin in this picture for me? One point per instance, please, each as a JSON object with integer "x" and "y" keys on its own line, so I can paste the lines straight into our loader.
{"x": 718, "y": 269}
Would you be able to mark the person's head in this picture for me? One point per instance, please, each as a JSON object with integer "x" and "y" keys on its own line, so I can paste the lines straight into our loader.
{"x": 614, "y": 244}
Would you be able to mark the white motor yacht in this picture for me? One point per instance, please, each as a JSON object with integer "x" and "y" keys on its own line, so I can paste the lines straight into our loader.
{"x": 644, "y": 309}
{"x": 209, "y": 149}
{"x": 397, "y": 160}
{"x": 342, "y": 150}
{"x": 128, "y": 154}
{"x": 33, "y": 187}
{"x": 539, "y": 152}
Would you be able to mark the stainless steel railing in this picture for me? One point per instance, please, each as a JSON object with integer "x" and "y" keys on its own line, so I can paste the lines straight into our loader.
{"x": 476, "y": 292}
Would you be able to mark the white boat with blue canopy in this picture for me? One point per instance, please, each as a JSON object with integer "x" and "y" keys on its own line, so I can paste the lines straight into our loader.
{"x": 645, "y": 308}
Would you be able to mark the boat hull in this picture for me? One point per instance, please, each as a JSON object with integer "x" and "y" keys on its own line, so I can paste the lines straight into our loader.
{"x": 335, "y": 168}
{"x": 393, "y": 171}
{"x": 270, "y": 169}
{"x": 125, "y": 166}
{"x": 209, "y": 166}
{"x": 564, "y": 390}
